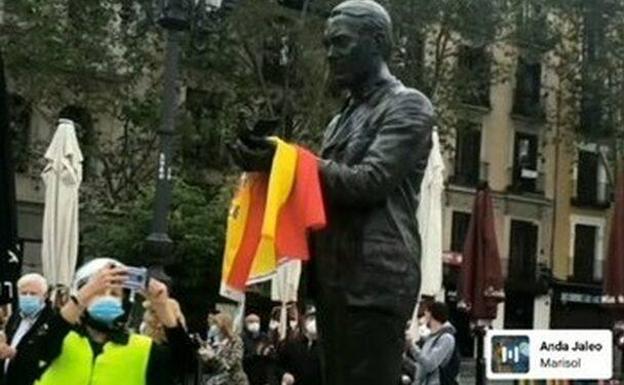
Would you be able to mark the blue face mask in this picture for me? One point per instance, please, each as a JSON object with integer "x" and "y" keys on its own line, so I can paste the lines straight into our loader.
{"x": 106, "y": 310}
{"x": 30, "y": 305}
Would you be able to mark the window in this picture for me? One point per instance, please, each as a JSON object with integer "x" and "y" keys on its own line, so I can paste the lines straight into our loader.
{"x": 532, "y": 25}
{"x": 459, "y": 228}
{"x": 523, "y": 250}
{"x": 409, "y": 60}
{"x": 19, "y": 125}
{"x": 527, "y": 99}
{"x": 587, "y": 253}
{"x": 594, "y": 26}
{"x": 524, "y": 170}
{"x": 593, "y": 117}
{"x": 473, "y": 73}
{"x": 468, "y": 155}
{"x": 592, "y": 186}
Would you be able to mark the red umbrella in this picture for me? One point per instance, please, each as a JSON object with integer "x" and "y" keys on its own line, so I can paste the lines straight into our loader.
{"x": 481, "y": 279}
{"x": 614, "y": 269}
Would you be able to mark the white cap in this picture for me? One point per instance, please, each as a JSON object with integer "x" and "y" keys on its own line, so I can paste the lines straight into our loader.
{"x": 89, "y": 269}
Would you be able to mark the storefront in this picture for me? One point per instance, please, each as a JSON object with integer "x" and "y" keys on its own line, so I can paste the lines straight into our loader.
{"x": 578, "y": 306}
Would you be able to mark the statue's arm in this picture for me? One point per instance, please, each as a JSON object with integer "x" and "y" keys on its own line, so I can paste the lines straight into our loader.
{"x": 401, "y": 143}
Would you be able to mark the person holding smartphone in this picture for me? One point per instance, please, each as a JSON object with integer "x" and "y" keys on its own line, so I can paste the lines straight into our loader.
{"x": 222, "y": 354}
{"x": 88, "y": 341}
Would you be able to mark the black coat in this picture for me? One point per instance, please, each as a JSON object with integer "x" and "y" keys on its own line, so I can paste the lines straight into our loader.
{"x": 301, "y": 358}
{"x": 374, "y": 155}
{"x": 24, "y": 367}
{"x": 255, "y": 361}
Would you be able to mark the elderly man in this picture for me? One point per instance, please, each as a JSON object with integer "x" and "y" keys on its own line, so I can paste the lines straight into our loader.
{"x": 19, "y": 352}
{"x": 374, "y": 153}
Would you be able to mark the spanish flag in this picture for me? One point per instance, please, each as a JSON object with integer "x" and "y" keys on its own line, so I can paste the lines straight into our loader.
{"x": 270, "y": 218}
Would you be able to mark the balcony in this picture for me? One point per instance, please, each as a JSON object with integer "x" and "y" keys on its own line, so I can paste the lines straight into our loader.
{"x": 470, "y": 176}
{"x": 528, "y": 109}
{"x": 525, "y": 181}
{"x": 523, "y": 277}
{"x": 598, "y": 197}
{"x": 585, "y": 278}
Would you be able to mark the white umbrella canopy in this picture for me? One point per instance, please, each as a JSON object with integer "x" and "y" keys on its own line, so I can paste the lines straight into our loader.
{"x": 62, "y": 176}
{"x": 429, "y": 216}
{"x": 430, "y": 221}
{"x": 284, "y": 289}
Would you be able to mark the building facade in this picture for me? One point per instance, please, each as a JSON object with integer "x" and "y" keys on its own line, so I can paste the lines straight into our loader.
{"x": 551, "y": 191}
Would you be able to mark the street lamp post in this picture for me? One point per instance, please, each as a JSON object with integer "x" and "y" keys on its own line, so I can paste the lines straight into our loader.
{"x": 175, "y": 16}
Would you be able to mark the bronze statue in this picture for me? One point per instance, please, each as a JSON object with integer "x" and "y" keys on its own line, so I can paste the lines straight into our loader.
{"x": 365, "y": 268}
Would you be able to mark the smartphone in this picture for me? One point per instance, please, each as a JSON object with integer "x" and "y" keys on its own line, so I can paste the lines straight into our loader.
{"x": 265, "y": 127}
{"x": 262, "y": 128}
{"x": 137, "y": 279}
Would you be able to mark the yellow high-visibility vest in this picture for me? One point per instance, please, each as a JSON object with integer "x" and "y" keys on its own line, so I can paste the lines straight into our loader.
{"x": 115, "y": 365}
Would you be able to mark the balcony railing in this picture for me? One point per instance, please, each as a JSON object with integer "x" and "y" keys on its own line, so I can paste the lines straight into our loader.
{"x": 471, "y": 178}
{"x": 524, "y": 180}
{"x": 600, "y": 198}
{"x": 528, "y": 108}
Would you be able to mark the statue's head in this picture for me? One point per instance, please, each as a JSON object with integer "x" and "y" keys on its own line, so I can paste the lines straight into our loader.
{"x": 358, "y": 39}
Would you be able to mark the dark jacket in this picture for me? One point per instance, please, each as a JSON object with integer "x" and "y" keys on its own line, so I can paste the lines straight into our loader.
{"x": 255, "y": 360}
{"x": 374, "y": 155}
{"x": 301, "y": 358}
{"x": 23, "y": 369}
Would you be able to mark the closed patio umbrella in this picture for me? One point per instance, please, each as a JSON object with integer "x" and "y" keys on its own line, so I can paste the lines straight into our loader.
{"x": 430, "y": 221}
{"x": 614, "y": 268}
{"x": 481, "y": 286}
{"x": 62, "y": 176}
{"x": 613, "y": 289}
{"x": 429, "y": 215}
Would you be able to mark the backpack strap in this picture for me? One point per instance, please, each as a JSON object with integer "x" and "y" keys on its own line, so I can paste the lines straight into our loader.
{"x": 435, "y": 341}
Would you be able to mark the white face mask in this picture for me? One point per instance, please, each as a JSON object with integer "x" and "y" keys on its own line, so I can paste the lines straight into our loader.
{"x": 293, "y": 324}
{"x": 424, "y": 331}
{"x": 253, "y": 327}
{"x": 311, "y": 327}
{"x": 273, "y": 325}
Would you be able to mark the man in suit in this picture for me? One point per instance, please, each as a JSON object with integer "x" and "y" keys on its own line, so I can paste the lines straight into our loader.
{"x": 18, "y": 352}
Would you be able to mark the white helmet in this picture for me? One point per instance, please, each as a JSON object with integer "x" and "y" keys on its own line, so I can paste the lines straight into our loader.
{"x": 89, "y": 269}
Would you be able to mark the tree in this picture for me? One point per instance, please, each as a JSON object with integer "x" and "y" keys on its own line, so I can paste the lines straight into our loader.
{"x": 261, "y": 59}
{"x": 196, "y": 227}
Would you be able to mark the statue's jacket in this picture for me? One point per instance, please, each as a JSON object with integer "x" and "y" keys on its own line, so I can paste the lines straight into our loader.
{"x": 373, "y": 158}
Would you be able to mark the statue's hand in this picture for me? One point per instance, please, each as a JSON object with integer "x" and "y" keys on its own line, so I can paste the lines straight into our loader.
{"x": 253, "y": 153}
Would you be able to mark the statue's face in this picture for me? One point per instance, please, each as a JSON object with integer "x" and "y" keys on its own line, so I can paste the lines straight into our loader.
{"x": 350, "y": 54}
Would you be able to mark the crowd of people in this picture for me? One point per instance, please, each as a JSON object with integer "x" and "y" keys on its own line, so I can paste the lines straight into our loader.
{"x": 82, "y": 337}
